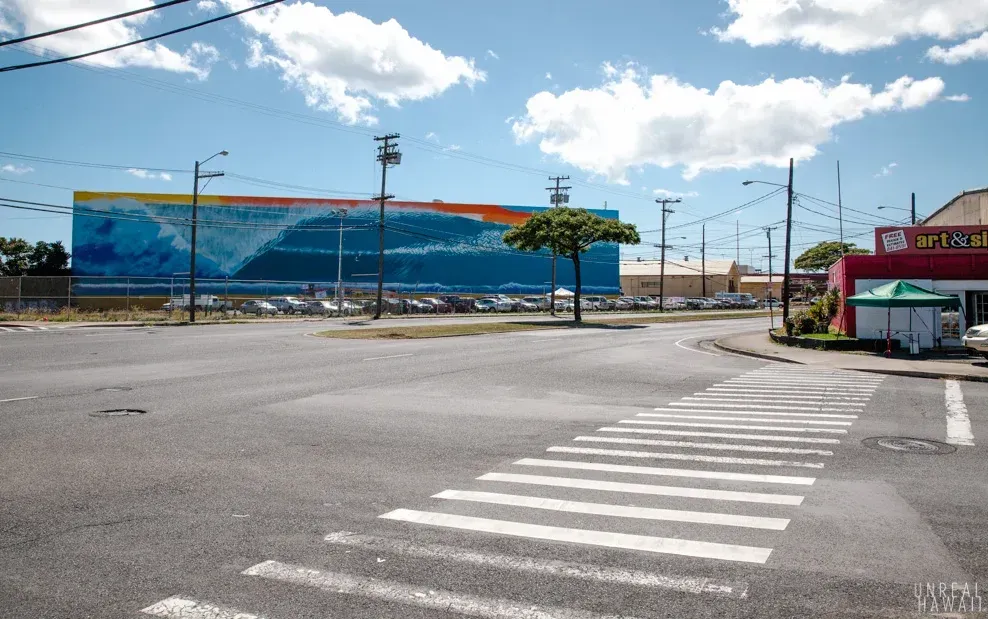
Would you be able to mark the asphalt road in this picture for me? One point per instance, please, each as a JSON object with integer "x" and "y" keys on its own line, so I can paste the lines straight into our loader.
{"x": 261, "y": 446}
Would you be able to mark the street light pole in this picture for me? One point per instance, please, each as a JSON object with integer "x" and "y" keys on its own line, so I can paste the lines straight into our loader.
{"x": 339, "y": 266}
{"x": 662, "y": 264}
{"x": 192, "y": 250}
{"x": 785, "y": 277}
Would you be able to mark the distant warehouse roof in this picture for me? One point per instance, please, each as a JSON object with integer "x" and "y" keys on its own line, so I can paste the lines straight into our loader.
{"x": 677, "y": 267}
{"x": 761, "y": 279}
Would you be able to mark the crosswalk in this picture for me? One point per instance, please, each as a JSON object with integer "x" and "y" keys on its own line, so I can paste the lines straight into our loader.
{"x": 714, "y": 478}
{"x": 22, "y": 328}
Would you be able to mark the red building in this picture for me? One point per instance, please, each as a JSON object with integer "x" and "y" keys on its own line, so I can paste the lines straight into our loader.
{"x": 946, "y": 259}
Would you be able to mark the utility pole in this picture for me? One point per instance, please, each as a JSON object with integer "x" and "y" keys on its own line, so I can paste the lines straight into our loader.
{"x": 914, "y": 213}
{"x": 387, "y": 154}
{"x": 662, "y": 264}
{"x": 703, "y": 261}
{"x": 840, "y": 212}
{"x": 737, "y": 242}
{"x": 339, "y": 266}
{"x": 771, "y": 312}
{"x": 192, "y": 249}
{"x": 557, "y": 197}
{"x": 785, "y": 276}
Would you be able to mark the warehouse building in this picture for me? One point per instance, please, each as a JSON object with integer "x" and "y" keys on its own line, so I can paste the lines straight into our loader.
{"x": 968, "y": 208}
{"x": 758, "y": 286}
{"x": 683, "y": 278}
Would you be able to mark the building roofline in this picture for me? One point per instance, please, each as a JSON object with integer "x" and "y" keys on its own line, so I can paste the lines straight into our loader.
{"x": 966, "y": 192}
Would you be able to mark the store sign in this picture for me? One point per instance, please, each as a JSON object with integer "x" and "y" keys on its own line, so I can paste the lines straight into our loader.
{"x": 924, "y": 240}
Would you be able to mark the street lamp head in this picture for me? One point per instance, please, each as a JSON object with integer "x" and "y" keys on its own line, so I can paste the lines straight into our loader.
{"x": 746, "y": 183}
{"x": 224, "y": 153}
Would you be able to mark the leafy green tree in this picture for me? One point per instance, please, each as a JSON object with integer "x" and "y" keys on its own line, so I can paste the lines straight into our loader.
{"x": 14, "y": 256}
{"x": 823, "y": 255}
{"x": 18, "y": 257}
{"x": 568, "y": 232}
{"x": 48, "y": 259}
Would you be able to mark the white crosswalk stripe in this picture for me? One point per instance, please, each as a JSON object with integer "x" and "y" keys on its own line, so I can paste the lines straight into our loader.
{"x": 719, "y": 504}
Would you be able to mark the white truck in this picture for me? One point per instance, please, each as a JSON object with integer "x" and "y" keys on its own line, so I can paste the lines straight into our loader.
{"x": 203, "y": 302}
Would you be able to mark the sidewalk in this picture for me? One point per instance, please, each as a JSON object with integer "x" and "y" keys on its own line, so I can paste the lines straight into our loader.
{"x": 759, "y": 345}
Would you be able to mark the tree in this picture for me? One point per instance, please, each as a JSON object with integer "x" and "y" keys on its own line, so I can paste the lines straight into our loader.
{"x": 48, "y": 259}
{"x": 809, "y": 291}
{"x": 14, "y": 256}
{"x": 568, "y": 232}
{"x": 823, "y": 255}
{"x": 18, "y": 257}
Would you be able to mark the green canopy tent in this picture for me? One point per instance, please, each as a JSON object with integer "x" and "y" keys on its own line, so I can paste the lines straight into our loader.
{"x": 900, "y": 294}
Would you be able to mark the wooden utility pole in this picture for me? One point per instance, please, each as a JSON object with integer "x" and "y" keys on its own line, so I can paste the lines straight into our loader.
{"x": 785, "y": 277}
{"x": 387, "y": 154}
{"x": 557, "y": 196}
{"x": 703, "y": 261}
{"x": 662, "y": 265}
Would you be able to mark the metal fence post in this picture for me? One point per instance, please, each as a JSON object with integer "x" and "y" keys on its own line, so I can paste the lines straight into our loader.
{"x": 20, "y": 280}
{"x": 128, "y": 294}
{"x": 68, "y": 297}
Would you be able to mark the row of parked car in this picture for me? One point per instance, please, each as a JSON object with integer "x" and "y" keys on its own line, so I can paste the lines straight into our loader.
{"x": 449, "y": 304}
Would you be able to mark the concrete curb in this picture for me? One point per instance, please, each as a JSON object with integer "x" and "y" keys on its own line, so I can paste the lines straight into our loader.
{"x": 907, "y": 373}
{"x": 750, "y": 353}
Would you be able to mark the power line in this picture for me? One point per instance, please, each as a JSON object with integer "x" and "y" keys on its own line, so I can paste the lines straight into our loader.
{"x": 43, "y": 63}
{"x": 727, "y": 212}
{"x": 153, "y": 7}
{"x": 846, "y": 208}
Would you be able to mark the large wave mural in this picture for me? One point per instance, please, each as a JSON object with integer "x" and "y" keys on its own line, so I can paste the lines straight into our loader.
{"x": 433, "y": 246}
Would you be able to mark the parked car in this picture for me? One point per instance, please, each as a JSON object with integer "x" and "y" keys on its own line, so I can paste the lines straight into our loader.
{"x": 815, "y": 300}
{"x": 523, "y": 305}
{"x": 565, "y": 305}
{"x": 167, "y": 307}
{"x": 646, "y": 303}
{"x": 320, "y": 307}
{"x": 440, "y": 306}
{"x": 485, "y": 305}
{"x": 420, "y": 306}
{"x": 541, "y": 303}
{"x": 599, "y": 302}
{"x": 259, "y": 307}
{"x": 976, "y": 339}
{"x": 288, "y": 305}
{"x": 501, "y": 303}
{"x": 460, "y": 305}
{"x": 773, "y": 303}
{"x": 625, "y": 303}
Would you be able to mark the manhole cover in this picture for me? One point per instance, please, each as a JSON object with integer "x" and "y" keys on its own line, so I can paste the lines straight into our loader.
{"x": 118, "y": 412}
{"x": 112, "y": 389}
{"x": 909, "y": 445}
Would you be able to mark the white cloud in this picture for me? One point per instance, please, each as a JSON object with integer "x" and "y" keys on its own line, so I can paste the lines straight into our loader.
{"x": 34, "y": 16}
{"x": 961, "y": 98}
{"x": 13, "y": 168}
{"x": 151, "y": 176}
{"x": 432, "y": 136}
{"x": 845, "y": 26}
{"x": 886, "y": 170}
{"x": 972, "y": 49}
{"x": 665, "y": 193}
{"x": 632, "y": 120}
{"x": 5, "y": 26}
{"x": 342, "y": 63}
{"x": 208, "y": 6}
{"x": 548, "y": 75}
{"x": 492, "y": 54}
{"x": 453, "y": 147}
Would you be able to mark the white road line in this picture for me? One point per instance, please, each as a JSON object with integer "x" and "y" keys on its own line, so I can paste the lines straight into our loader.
{"x": 839, "y": 384}
{"x": 30, "y": 397}
{"x": 182, "y": 608}
{"x": 958, "y": 423}
{"x": 745, "y": 412}
{"x": 665, "y": 545}
{"x": 549, "y": 567}
{"x": 776, "y": 399}
{"x": 731, "y": 435}
{"x": 745, "y": 394}
{"x": 692, "y": 445}
{"x": 614, "y": 486}
{"x": 651, "y": 470}
{"x": 799, "y": 374}
{"x": 447, "y": 602}
{"x": 853, "y": 408}
{"x": 6, "y": 329}
{"x": 702, "y": 352}
{"x": 388, "y": 357}
{"x": 773, "y": 388}
{"x": 728, "y": 426}
{"x": 623, "y": 453}
{"x": 857, "y": 380}
{"x": 618, "y": 511}
{"x": 824, "y": 422}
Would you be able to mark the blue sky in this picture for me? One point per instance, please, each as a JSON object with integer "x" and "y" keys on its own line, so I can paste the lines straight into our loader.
{"x": 627, "y": 98}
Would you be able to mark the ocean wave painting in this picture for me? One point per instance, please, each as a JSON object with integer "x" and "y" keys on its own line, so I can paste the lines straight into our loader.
{"x": 434, "y": 246}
